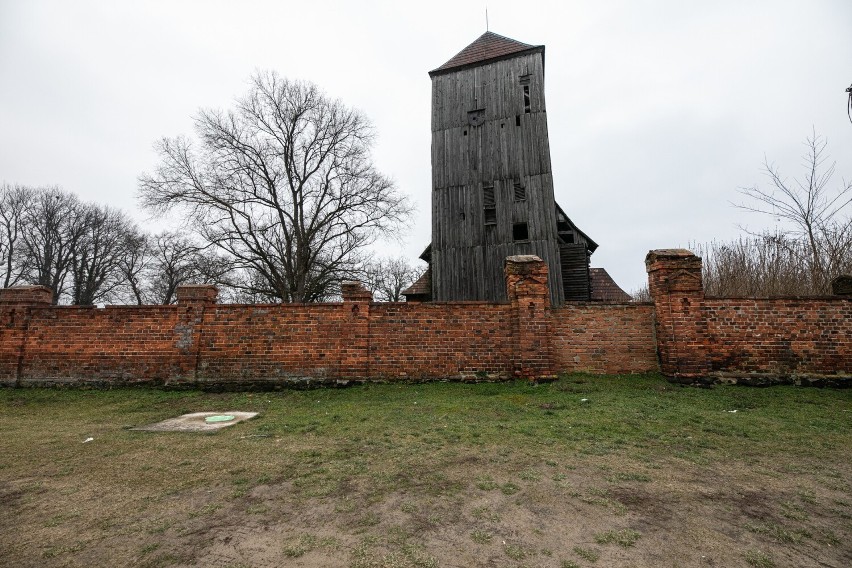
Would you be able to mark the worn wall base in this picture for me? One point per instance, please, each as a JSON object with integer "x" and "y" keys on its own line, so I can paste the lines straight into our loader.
{"x": 768, "y": 380}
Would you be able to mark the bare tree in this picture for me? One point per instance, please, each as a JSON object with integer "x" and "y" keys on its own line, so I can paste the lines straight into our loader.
{"x": 176, "y": 260}
{"x": 762, "y": 265}
{"x": 14, "y": 202}
{"x": 134, "y": 264}
{"x": 99, "y": 254}
{"x": 388, "y": 277}
{"x": 641, "y": 294}
{"x": 817, "y": 216}
{"x": 53, "y": 225}
{"x": 283, "y": 185}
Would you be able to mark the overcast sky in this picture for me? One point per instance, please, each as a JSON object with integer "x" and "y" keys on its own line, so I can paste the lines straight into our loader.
{"x": 657, "y": 110}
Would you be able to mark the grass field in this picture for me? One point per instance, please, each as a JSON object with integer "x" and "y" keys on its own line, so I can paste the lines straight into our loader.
{"x": 587, "y": 471}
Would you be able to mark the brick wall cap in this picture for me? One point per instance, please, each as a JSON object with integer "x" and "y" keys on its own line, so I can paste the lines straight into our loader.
{"x": 26, "y": 295}
{"x": 354, "y": 291}
{"x": 658, "y": 254}
{"x": 522, "y": 258}
{"x": 197, "y": 293}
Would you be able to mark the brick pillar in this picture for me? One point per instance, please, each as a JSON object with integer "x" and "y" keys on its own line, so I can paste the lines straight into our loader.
{"x": 674, "y": 280}
{"x": 355, "y": 332}
{"x": 194, "y": 299}
{"x": 16, "y": 305}
{"x": 197, "y": 294}
{"x": 529, "y": 295}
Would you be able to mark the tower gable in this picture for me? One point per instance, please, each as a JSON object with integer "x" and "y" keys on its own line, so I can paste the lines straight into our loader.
{"x": 486, "y": 48}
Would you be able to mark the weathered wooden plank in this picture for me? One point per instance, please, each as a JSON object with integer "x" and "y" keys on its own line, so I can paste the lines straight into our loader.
{"x": 508, "y": 145}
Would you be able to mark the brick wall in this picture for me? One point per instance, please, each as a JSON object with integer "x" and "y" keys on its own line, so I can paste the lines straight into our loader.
{"x": 605, "y": 338}
{"x": 751, "y": 340}
{"x": 113, "y": 345}
{"x": 271, "y": 343}
{"x": 16, "y": 307}
{"x": 781, "y": 337}
{"x": 456, "y": 339}
{"x": 201, "y": 342}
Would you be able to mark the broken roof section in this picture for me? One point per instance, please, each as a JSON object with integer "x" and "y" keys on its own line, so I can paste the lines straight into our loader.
{"x": 604, "y": 288}
{"x": 487, "y": 47}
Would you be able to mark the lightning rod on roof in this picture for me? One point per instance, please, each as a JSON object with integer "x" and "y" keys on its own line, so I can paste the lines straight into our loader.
{"x": 849, "y": 103}
{"x": 486, "y": 19}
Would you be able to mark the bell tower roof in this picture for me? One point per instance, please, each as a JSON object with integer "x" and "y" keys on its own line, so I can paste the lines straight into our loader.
{"x": 487, "y": 47}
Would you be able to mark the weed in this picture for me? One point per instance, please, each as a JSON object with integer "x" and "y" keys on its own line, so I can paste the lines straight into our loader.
{"x": 205, "y": 511}
{"x": 161, "y": 527}
{"x": 301, "y": 546}
{"x": 55, "y": 551}
{"x": 345, "y": 506}
{"x": 569, "y": 564}
{"x": 778, "y": 533}
{"x": 509, "y": 488}
{"x": 808, "y": 496}
{"x": 485, "y": 514}
{"x": 480, "y": 537}
{"x": 408, "y": 555}
{"x": 408, "y": 508}
{"x": 600, "y": 497}
{"x": 828, "y": 537}
{"x": 515, "y": 552}
{"x": 530, "y": 475}
{"x": 628, "y": 477}
{"x": 369, "y": 520}
{"x": 587, "y": 554}
{"x": 794, "y": 511}
{"x": 624, "y": 538}
{"x": 758, "y": 559}
{"x": 487, "y": 484}
{"x": 148, "y": 549}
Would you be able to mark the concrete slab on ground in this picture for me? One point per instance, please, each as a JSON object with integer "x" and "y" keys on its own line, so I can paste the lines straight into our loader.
{"x": 198, "y": 422}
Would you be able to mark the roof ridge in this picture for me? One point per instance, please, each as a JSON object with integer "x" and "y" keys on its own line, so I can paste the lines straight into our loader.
{"x": 486, "y": 47}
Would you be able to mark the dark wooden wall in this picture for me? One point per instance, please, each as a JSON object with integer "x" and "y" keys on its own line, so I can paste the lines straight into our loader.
{"x": 502, "y": 145}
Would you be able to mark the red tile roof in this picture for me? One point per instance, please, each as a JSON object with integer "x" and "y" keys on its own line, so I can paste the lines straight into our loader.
{"x": 604, "y": 288}
{"x": 423, "y": 286}
{"x": 486, "y": 47}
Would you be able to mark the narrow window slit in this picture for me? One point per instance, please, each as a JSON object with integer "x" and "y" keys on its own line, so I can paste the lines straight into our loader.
{"x": 489, "y": 204}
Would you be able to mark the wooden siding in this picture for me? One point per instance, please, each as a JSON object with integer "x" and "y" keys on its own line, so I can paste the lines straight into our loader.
{"x": 574, "y": 261}
{"x": 507, "y": 146}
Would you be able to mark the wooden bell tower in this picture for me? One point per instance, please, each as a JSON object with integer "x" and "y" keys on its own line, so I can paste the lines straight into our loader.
{"x": 492, "y": 187}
